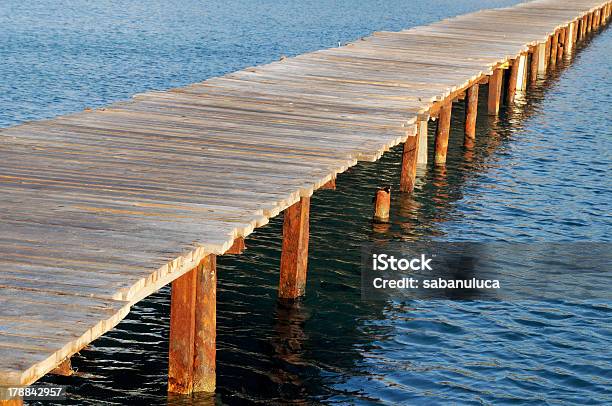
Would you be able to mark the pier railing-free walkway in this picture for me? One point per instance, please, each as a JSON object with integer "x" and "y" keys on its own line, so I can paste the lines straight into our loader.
{"x": 101, "y": 208}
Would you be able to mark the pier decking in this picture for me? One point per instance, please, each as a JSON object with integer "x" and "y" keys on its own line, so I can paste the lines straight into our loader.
{"x": 101, "y": 208}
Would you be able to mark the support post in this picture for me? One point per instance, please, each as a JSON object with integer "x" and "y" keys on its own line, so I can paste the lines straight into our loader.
{"x": 495, "y": 85}
{"x": 294, "y": 255}
{"x": 561, "y": 44}
{"x": 471, "y": 112}
{"x": 409, "y": 163}
{"x": 533, "y": 66}
{"x": 193, "y": 322}
{"x": 569, "y": 41}
{"x": 63, "y": 369}
{"x": 542, "y": 58}
{"x": 382, "y": 205}
{"x": 442, "y": 132}
{"x": 554, "y": 48}
{"x": 521, "y": 79}
{"x": 422, "y": 152}
{"x": 512, "y": 81}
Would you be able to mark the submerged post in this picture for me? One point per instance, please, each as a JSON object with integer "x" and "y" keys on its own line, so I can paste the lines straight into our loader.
{"x": 512, "y": 81}
{"x": 442, "y": 132}
{"x": 422, "y": 144}
{"x": 542, "y": 58}
{"x": 382, "y": 205}
{"x": 294, "y": 255}
{"x": 193, "y": 323}
{"x": 554, "y": 48}
{"x": 471, "y": 112}
{"x": 409, "y": 163}
{"x": 495, "y": 85}
{"x": 533, "y": 66}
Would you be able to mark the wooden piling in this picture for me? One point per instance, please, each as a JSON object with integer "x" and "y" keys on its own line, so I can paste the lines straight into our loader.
{"x": 554, "y": 48}
{"x": 409, "y": 164}
{"x": 12, "y": 402}
{"x": 331, "y": 185}
{"x": 237, "y": 248}
{"x": 521, "y": 80}
{"x": 422, "y": 144}
{"x": 561, "y": 44}
{"x": 442, "y": 132}
{"x": 63, "y": 369}
{"x": 571, "y": 34}
{"x": 495, "y": 85}
{"x": 511, "y": 88}
{"x": 534, "y": 64}
{"x": 294, "y": 255}
{"x": 471, "y": 112}
{"x": 192, "y": 354}
{"x": 382, "y": 205}
{"x": 542, "y": 58}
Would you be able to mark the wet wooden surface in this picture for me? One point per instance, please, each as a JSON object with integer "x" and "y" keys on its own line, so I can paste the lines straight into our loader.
{"x": 101, "y": 208}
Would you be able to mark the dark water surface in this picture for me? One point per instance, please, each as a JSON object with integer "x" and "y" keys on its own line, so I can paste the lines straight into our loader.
{"x": 539, "y": 173}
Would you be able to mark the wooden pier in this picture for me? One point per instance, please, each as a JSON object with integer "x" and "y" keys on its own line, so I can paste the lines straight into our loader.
{"x": 103, "y": 207}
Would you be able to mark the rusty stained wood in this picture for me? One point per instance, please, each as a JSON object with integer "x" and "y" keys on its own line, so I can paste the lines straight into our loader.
{"x": 409, "y": 164}
{"x": 512, "y": 82}
{"x": 471, "y": 113}
{"x": 382, "y": 205}
{"x": 294, "y": 254}
{"x": 192, "y": 348}
{"x": 63, "y": 369}
{"x": 442, "y": 133}
{"x": 237, "y": 248}
{"x": 422, "y": 142}
{"x": 495, "y": 87}
{"x": 534, "y": 63}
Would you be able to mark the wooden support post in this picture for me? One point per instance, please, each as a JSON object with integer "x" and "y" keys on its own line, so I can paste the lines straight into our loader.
{"x": 382, "y": 205}
{"x": 569, "y": 43}
{"x": 422, "y": 152}
{"x": 442, "y": 133}
{"x": 409, "y": 163}
{"x": 585, "y": 26}
{"x": 331, "y": 185}
{"x": 237, "y": 247}
{"x": 294, "y": 255}
{"x": 533, "y": 66}
{"x": 589, "y": 23}
{"x": 471, "y": 112}
{"x": 561, "y": 44}
{"x": 554, "y": 48}
{"x": 193, "y": 324}
{"x": 495, "y": 85}
{"x": 521, "y": 80}
{"x": 542, "y": 58}
{"x": 63, "y": 369}
{"x": 511, "y": 88}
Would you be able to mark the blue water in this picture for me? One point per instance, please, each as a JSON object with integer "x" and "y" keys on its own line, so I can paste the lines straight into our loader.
{"x": 538, "y": 173}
